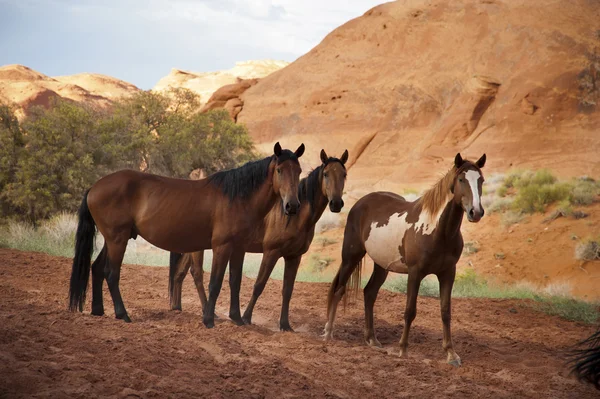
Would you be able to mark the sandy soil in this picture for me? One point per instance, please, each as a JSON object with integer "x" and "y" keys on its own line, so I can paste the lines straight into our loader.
{"x": 508, "y": 349}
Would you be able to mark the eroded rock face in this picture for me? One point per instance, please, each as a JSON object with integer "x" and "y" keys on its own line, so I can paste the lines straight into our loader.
{"x": 25, "y": 87}
{"x": 419, "y": 81}
{"x": 229, "y": 97}
{"x": 206, "y": 83}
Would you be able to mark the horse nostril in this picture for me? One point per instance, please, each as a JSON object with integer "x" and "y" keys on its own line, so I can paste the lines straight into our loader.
{"x": 472, "y": 213}
{"x": 341, "y": 203}
{"x": 287, "y": 206}
{"x": 482, "y": 212}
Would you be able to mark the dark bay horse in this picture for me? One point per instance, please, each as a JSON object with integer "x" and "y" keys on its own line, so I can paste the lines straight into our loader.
{"x": 415, "y": 238}
{"x": 218, "y": 212}
{"x": 275, "y": 237}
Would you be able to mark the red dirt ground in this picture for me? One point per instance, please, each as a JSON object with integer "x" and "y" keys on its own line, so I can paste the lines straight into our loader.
{"x": 508, "y": 350}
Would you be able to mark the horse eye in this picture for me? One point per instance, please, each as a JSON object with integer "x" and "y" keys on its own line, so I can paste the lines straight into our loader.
{"x": 460, "y": 179}
{"x": 326, "y": 174}
{"x": 279, "y": 170}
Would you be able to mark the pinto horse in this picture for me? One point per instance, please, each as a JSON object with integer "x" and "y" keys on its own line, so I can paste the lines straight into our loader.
{"x": 218, "y": 212}
{"x": 275, "y": 237}
{"x": 415, "y": 238}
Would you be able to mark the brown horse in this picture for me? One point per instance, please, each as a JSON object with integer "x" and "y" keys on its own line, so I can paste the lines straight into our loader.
{"x": 218, "y": 212}
{"x": 415, "y": 238}
{"x": 276, "y": 237}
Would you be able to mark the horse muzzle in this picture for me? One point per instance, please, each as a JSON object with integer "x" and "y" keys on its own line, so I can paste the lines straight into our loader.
{"x": 291, "y": 208}
{"x": 336, "y": 205}
{"x": 475, "y": 216}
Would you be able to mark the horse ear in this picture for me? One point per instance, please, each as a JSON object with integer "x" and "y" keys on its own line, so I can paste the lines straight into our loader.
{"x": 344, "y": 157}
{"x": 300, "y": 151}
{"x": 277, "y": 149}
{"x": 324, "y": 156}
{"x": 458, "y": 161}
{"x": 480, "y": 162}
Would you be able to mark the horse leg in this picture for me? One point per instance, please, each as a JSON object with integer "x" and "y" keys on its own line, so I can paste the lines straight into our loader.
{"x": 351, "y": 257}
{"x": 112, "y": 272}
{"x": 289, "y": 278}
{"x": 446, "y": 280}
{"x": 97, "y": 281}
{"x": 181, "y": 269}
{"x": 267, "y": 264}
{"x": 198, "y": 275}
{"x": 412, "y": 290}
{"x": 221, "y": 255}
{"x": 235, "y": 283}
{"x": 371, "y": 290}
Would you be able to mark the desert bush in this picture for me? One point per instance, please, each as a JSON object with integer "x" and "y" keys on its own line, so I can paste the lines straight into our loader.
{"x": 588, "y": 250}
{"x": 585, "y": 191}
{"x": 535, "y": 197}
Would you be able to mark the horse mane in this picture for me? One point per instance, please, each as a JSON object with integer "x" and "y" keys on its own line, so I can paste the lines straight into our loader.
{"x": 245, "y": 180}
{"x": 309, "y": 186}
{"x": 438, "y": 196}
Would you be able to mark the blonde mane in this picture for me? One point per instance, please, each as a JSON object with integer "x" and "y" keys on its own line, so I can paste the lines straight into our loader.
{"x": 437, "y": 196}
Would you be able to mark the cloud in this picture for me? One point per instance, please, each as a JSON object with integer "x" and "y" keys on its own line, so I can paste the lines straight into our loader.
{"x": 140, "y": 40}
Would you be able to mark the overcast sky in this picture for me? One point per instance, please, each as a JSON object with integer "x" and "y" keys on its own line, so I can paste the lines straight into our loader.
{"x": 141, "y": 40}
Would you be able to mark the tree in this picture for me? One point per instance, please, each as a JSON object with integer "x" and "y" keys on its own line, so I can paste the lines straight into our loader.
{"x": 11, "y": 146}
{"x": 58, "y": 163}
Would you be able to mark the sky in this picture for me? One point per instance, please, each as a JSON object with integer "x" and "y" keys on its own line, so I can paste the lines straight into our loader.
{"x": 139, "y": 41}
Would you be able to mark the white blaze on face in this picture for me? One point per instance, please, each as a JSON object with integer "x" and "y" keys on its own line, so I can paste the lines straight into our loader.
{"x": 383, "y": 243}
{"x": 473, "y": 179}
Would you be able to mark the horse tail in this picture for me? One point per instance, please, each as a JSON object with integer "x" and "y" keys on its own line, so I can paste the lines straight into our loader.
{"x": 174, "y": 259}
{"x": 353, "y": 284}
{"x": 84, "y": 247}
{"x": 585, "y": 360}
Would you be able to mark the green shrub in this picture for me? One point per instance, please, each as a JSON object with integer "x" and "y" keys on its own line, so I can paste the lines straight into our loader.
{"x": 585, "y": 192}
{"x": 535, "y": 197}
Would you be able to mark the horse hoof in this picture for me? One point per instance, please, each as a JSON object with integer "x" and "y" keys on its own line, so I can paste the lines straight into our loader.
{"x": 209, "y": 323}
{"x": 237, "y": 320}
{"x": 327, "y": 336}
{"x": 403, "y": 354}
{"x": 247, "y": 320}
{"x": 176, "y": 308}
{"x": 286, "y": 328}
{"x": 97, "y": 312}
{"x": 455, "y": 362}
{"x": 373, "y": 342}
{"x": 125, "y": 318}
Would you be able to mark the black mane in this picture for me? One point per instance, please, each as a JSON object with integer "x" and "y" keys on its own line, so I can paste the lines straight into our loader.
{"x": 309, "y": 186}
{"x": 243, "y": 181}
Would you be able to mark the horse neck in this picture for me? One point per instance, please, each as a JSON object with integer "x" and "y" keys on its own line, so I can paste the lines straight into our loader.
{"x": 263, "y": 200}
{"x": 310, "y": 214}
{"x": 451, "y": 220}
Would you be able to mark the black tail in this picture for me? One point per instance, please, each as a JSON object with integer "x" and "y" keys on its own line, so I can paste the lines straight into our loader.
{"x": 174, "y": 259}
{"x": 585, "y": 360}
{"x": 84, "y": 247}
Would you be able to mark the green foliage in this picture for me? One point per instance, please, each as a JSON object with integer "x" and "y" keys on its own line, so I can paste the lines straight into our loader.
{"x": 585, "y": 191}
{"x": 58, "y": 162}
{"x": 11, "y": 147}
{"x": 48, "y": 161}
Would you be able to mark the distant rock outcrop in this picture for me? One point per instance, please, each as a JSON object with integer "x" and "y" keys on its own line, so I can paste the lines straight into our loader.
{"x": 25, "y": 87}
{"x": 206, "y": 83}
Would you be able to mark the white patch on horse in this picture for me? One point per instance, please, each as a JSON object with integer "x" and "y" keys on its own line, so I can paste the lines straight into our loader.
{"x": 473, "y": 179}
{"x": 383, "y": 243}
